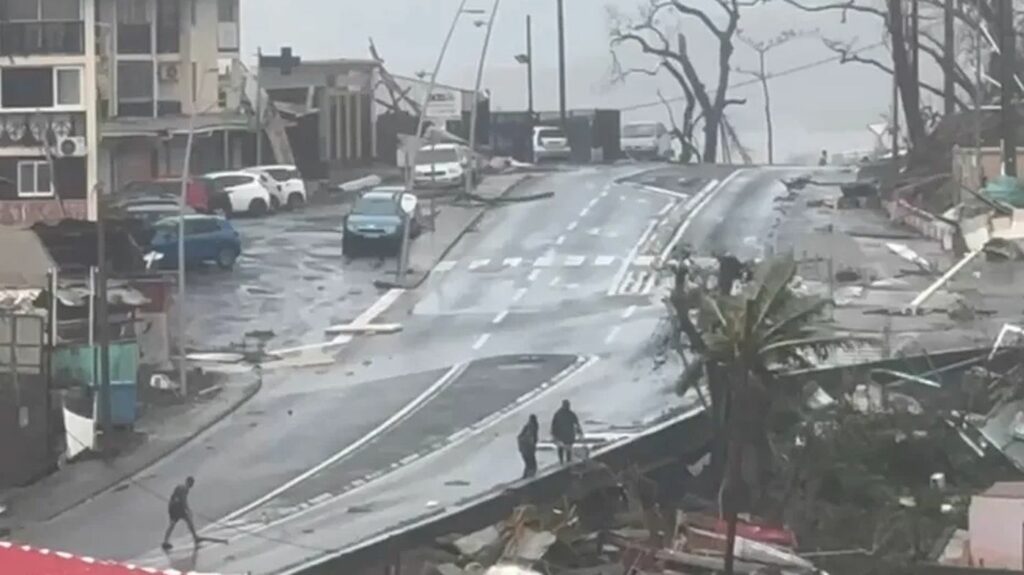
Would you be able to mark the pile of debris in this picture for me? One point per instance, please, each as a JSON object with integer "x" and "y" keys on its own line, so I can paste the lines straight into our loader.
{"x": 563, "y": 540}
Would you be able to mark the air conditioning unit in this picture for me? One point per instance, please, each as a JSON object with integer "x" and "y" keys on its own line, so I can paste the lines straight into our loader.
{"x": 70, "y": 147}
{"x": 168, "y": 72}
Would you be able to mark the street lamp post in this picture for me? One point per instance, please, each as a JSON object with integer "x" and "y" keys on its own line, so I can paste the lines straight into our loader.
{"x": 476, "y": 93}
{"x": 561, "y": 64}
{"x": 527, "y": 60}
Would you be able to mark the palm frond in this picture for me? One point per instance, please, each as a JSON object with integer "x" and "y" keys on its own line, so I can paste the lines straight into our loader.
{"x": 772, "y": 279}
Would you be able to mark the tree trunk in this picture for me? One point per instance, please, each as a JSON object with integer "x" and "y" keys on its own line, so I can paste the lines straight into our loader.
{"x": 909, "y": 87}
{"x": 712, "y": 120}
{"x": 767, "y": 111}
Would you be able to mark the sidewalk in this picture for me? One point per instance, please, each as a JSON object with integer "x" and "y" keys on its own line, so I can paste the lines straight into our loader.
{"x": 882, "y": 284}
{"x": 162, "y": 431}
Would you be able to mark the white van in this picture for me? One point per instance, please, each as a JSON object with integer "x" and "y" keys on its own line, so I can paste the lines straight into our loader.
{"x": 646, "y": 141}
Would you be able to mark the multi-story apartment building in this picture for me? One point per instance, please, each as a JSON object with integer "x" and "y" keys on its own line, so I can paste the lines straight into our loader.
{"x": 106, "y": 91}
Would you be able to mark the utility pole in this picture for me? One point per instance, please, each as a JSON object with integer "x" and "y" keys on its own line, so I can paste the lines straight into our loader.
{"x": 895, "y": 119}
{"x": 561, "y": 64}
{"x": 476, "y": 96}
{"x": 1007, "y": 57}
{"x": 102, "y": 312}
{"x": 529, "y": 63}
{"x": 915, "y": 42}
{"x": 949, "y": 59}
{"x": 259, "y": 107}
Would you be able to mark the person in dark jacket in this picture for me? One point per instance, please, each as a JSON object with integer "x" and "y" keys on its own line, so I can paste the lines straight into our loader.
{"x": 528, "y": 446}
{"x": 565, "y": 429}
{"x": 179, "y": 510}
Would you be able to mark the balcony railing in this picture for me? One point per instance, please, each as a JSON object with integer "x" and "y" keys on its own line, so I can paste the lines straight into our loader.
{"x": 33, "y": 38}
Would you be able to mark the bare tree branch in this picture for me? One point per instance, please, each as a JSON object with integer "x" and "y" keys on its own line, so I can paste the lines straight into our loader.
{"x": 843, "y": 7}
{"x": 848, "y": 54}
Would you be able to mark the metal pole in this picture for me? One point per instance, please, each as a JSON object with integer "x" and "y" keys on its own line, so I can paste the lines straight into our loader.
{"x": 949, "y": 59}
{"x": 1007, "y": 53}
{"x": 476, "y": 94}
{"x": 410, "y": 157}
{"x": 977, "y": 107}
{"x": 895, "y": 119}
{"x": 102, "y": 311}
{"x": 259, "y": 107}
{"x": 529, "y": 63}
{"x": 561, "y": 63}
{"x": 182, "y": 202}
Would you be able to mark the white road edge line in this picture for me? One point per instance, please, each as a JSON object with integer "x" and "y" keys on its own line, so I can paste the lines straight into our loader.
{"x": 662, "y": 191}
{"x": 696, "y": 205}
{"x": 481, "y": 341}
{"x": 480, "y": 427}
{"x": 444, "y": 381}
{"x": 668, "y": 207}
{"x": 629, "y": 258}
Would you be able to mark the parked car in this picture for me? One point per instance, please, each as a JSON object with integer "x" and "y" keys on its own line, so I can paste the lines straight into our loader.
{"x": 247, "y": 193}
{"x": 646, "y": 140}
{"x": 550, "y": 143}
{"x": 444, "y": 165}
{"x": 377, "y": 219}
{"x": 207, "y": 239}
{"x": 291, "y": 188}
{"x": 200, "y": 195}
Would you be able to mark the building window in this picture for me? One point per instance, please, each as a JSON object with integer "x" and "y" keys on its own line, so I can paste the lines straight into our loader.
{"x": 69, "y": 86}
{"x": 135, "y": 95}
{"x": 227, "y": 10}
{"x": 43, "y": 10}
{"x": 26, "y": 88}
{"x": 34, "y": 179}
{"x": 133, "y": 11}
{"x": 168, "y": 28}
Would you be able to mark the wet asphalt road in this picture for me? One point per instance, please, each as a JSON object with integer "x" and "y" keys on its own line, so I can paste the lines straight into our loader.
{"x": 539, "y": 285}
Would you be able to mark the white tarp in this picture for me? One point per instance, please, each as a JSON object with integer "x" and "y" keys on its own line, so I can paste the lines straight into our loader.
{"x": 81, "y": 433}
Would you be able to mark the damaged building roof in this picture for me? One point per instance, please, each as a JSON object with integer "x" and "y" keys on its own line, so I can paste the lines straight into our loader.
{"x": 24, "y": 260}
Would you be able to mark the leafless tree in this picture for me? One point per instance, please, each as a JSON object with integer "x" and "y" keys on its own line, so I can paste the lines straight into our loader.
{"x": 649, "y": 32}
{"x": 762, "y": 47}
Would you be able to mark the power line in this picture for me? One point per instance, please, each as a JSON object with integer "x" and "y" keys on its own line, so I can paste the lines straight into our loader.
{"x": 786, "y": 72}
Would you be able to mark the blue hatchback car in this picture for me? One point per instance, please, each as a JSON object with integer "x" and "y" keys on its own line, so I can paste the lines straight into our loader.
{"x": 207, "y": 239}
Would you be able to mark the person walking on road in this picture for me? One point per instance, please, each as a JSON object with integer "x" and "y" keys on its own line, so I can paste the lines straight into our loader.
{"x": 179, "y": 510}
{"x": 528, "y": 446}
{"x": 565, "y": 429}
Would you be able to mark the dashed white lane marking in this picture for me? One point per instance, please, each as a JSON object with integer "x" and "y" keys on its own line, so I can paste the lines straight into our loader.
{"x": 544, "y": 262}
{"x": 445, "y": 380}
{"x": 572, "y": 226}
{"x": 611, "y": 334}
{"x": 575, "y": 261}
{"x": 604, "y": 261}
{"x": 513, "y": 262}
{"x": 560, "y": 240}
{"x": 668, "y": 207}
{"x": 629, "y": 312}
{"x": 481, "y": 341}
{"x": 557, "y": 280}
{"x": 643, "y": 261}
{"x": 584, "y": 212}
{"x": 445, "y": 266}
{"x": 533, "y": 275}
{"x": 476, "y": 264}
{"x": 592, "y": 203}
{"x": 594, "y": 231}
{"x": 643, "y": 201}
{"x": 519, "y": 294}
{"x": 500, "y": 317}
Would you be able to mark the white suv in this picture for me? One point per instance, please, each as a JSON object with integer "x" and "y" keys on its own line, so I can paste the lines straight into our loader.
{"x": 247, "y": 193}
{"x": 290, "y": 188}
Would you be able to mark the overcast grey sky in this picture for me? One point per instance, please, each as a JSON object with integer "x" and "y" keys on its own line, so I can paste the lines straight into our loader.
{"x": 827, "y": 107}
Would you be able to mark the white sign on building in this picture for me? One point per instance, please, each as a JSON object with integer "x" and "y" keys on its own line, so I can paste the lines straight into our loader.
{"x": 445, "y": 104}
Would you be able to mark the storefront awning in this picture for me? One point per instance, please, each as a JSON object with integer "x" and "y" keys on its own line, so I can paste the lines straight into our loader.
{"x": 166, "y": 126}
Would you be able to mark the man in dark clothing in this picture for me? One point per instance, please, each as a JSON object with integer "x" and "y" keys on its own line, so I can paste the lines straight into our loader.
{"x": 528, "y": 446}
{"x": 565, "y": 429}
{"x": 179, "y": 510}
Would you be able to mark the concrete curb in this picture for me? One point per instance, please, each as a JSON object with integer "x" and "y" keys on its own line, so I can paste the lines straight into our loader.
{"x": 472, "y": 222}
{"x": 251, "y": 390}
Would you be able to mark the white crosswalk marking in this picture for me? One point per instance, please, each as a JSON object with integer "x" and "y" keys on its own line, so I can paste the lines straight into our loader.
{"x": 643, "y": 261}
{"x": 513, "y": 262}
{"x": 594, "y": 231}
{"x": 544, "y": 262}
{"x": 476, "y": 264}
{"x": 445, "y": 266}
{"x": 604, "y": 261}
{"x": 575, "y": 261}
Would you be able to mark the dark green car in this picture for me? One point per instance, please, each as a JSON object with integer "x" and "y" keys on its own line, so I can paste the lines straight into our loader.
{"x": 375, "y": 223}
